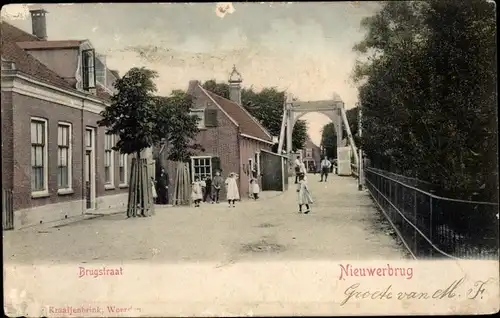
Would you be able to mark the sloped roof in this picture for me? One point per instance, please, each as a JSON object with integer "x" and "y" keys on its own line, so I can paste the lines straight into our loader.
{"x": 12, "y": 41}
{"x": 23, "y": 61}
{"x": 45, "y": 45}
{"x": 248, "y": 124}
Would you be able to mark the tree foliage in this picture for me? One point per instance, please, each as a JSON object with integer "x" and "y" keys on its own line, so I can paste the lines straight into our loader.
{"x": 429, "y": 93}
{"x": 132, "y": 114}
{"x": 221, "y": 89}
{"x": 177, "y": 125}
{"x": 267, "y": 107}
{"x": 142, "y": 120}
{"x": 329, "y": 140}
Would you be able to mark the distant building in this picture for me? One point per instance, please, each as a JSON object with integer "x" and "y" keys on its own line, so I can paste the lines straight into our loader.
{"x": 231, "y": 138}
{"x": 311, "y": 155}
{"x": 56, "y": 160}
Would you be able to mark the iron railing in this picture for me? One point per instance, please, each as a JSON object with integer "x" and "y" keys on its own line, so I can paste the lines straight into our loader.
{"x": 7, "y": 210}
{"x": 354, "y": 170}
{"x": 431, "y": 226}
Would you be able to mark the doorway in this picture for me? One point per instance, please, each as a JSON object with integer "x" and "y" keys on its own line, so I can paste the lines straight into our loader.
{"x": 89, "y": 169}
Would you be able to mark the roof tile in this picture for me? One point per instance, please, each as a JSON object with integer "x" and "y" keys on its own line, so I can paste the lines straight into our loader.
{"x": 44, "y": 45}
{"x": 23, "y": 60}
{"x": 248, "y": 124}
{"x": 12, "y": 39}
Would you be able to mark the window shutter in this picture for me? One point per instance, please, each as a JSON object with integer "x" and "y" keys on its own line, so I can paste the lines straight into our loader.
{"x": 210, "y": 117}
{"x": 85, "y": 78}
{"x": 215, "y": 164}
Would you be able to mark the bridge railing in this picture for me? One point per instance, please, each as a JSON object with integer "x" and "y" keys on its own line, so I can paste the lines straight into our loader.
{"x": 431, "y": 226}
{"x": 354, "y": 170}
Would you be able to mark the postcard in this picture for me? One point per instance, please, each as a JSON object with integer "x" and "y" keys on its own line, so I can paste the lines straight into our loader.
{"x": 249, "y": 159}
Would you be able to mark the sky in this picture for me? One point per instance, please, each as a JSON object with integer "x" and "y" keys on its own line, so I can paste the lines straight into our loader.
{"x": 305, "y": 48}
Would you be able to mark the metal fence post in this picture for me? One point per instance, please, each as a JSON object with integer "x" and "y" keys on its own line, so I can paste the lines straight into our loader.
{"x": 430, "y": 227}
{"x": 415, "y": 211}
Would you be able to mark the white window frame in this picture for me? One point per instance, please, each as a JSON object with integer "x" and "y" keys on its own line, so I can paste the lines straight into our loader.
{"x": 200, "y": 157}
{"x": 45, "y": 191}
{"x": 309, "y": 153}
{"x": 123, "y": 157}
{"x": 89, "y": 71}
{"x": 251, "y": 164}
{"x": 69, "y": 188}
{"x": 109, "y": 185}
{"x": 201, "y": 121}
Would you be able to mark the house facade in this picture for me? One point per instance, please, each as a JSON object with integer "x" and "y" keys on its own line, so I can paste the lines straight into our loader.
{"x": 311, "y": 155}
{"x": 56, "y": 161}
{"x": 230, "y": 137}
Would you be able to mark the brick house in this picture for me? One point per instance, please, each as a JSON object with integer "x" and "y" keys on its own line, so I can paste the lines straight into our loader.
{"x": 231, "y": 138}
{"x": 311, "y": 155}
{"x": 55, "y": 159}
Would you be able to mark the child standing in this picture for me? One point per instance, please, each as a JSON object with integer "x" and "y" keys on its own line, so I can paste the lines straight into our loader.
{"x": 153, "y": 190}
{"x": 207, "y": 193}
{"x": 217, "y": 184}
{"x": 196, "y": 192}
{"x": 233, "y": 193}
{"x": 304, "y": 196}
{"x": 254, "y": 183}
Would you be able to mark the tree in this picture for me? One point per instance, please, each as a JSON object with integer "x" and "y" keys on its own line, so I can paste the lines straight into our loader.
{"x": 132, "y": 117}
{"x": 329, "y": 141}
{"x": 352, "y": 119}
{"x": 177, "y": 125}
{"x": 428, "y": 93}
{"x": 267, "y": 107}
{"x": 142, "y": 120}
{"x": 221, "y": 89}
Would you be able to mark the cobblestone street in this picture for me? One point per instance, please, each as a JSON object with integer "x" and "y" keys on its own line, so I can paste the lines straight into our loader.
{"x": 343, "y": 225}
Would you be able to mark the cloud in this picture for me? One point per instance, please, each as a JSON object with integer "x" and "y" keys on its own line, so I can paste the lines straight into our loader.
{"x": 272, "y": 44}
{"x": 15, "y": 11}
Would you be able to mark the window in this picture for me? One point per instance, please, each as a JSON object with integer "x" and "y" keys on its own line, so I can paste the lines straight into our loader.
{"x": 200, "y": 113}
{"x": 201, "y": 167}
{"x": 210, "y": 118}
{"x": 308, "y": 153}
{"x": 123, "y": 169}
{"x": 64, "y": 156}
{"x": 100, "y": 70}
{"x": 108, "y": 159}
{"x": 88, "y": 138}
{"x": 39, "y": 167}
{"x": 257, "y": 162}
{"x": 88, "y": 69}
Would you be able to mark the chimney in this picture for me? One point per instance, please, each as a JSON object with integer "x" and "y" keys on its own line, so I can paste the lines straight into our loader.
{"x": 39, "y": 23}
{"x": 193, "y": 84}
{"x": 235, "y": 80}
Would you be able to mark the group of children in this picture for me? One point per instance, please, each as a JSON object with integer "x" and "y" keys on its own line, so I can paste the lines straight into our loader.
{"x": 206, "y": 188}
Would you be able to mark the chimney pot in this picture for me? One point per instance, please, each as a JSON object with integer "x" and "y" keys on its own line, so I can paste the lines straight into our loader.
{"x": 39, "y": 23}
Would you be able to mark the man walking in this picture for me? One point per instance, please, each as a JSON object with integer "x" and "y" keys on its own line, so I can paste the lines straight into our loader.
{"x": 325, "y": 168}
{"x": 162, "y": 185}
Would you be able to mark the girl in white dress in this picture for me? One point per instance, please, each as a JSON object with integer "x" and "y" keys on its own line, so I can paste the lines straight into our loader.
{"x": 233, "y": 193}
{"x": 255, "y": 188}
{"x": 304, "y": 196}
{"x": 196, "y": 193}
{"x": 153, "y": 190}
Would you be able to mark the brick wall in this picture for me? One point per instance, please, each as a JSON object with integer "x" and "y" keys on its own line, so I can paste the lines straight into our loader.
{"x": 7, "y": 140}
{"x": 26, "y": 107}
{"x": 221, "y": 141}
